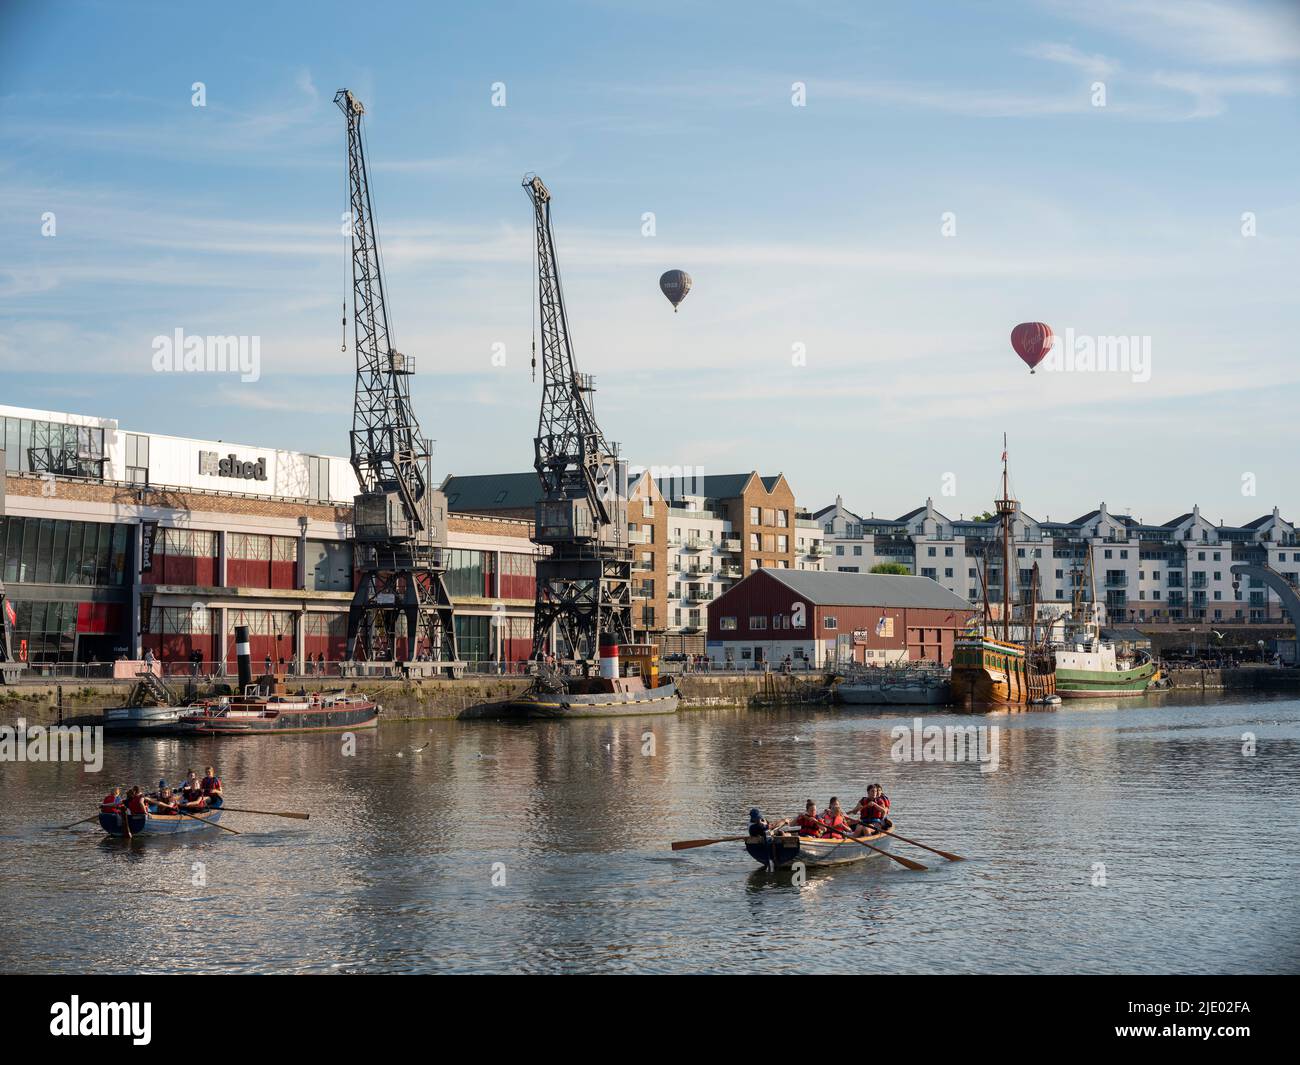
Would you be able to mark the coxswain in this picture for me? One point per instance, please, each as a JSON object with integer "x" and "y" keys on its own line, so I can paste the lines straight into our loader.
{"x": 758, "y": 826}
{"x": 211, "y": 787}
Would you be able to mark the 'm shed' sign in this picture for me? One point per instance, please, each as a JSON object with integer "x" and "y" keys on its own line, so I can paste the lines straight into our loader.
{"x": 211, "y": 465}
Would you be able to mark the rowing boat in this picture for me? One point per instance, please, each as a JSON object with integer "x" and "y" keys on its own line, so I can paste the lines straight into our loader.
{"x": 161, "y": 824}
{"x": 782, "y": 850}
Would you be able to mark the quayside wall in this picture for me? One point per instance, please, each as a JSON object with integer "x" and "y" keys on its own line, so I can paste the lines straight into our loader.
{"x": 467, "y": 698}
{"x": 485, "y": 697}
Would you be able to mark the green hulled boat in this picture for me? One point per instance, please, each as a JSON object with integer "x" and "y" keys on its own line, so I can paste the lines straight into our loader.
{"x": 1092, "y": 668}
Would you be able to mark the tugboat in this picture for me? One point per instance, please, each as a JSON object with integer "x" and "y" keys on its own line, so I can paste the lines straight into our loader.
{"x": 1088, "y": 666}
{"x": 267, "y": 707}
{"x": 989, "y": 665}
{"x": 629, "y": 683}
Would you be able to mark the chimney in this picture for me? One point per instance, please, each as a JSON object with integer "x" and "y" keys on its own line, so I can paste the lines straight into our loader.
{"x": 245, "y": 658}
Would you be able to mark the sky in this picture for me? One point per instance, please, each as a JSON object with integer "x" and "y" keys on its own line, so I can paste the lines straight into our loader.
{"x": 868, "y": 196}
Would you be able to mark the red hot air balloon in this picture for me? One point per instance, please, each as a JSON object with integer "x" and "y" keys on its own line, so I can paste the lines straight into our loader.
{"x": 1032, "y": 341}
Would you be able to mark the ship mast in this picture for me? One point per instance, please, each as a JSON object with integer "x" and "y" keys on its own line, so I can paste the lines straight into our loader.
{"x": 1006, "y": 508}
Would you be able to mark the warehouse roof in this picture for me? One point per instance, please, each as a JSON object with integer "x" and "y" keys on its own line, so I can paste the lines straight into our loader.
{"x": 868, "y": 589}
{"x": 479, "y": 493}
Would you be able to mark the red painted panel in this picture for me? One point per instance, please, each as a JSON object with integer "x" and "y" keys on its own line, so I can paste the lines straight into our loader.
{"x": 284, "y": 574}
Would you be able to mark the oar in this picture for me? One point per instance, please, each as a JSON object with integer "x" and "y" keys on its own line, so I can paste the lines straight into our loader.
{"x": 935, "y": 850}
{"x": 268, "y": 813}
{"x": 901, "y": 861}
{"x": 687, "y": 844}
{"x": 81, "y": 822}
{"x": 213, "y": 824}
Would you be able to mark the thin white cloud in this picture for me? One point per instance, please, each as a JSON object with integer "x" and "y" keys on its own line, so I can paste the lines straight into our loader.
{"x": 1236, "y": 32}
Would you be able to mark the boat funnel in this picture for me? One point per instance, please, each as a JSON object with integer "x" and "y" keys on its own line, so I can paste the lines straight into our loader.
{"x": 244, "y": 656}
{"x": 608, "y": 657}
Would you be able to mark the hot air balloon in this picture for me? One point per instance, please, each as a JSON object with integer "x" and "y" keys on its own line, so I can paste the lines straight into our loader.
{"x": 675, "y": 284}
{"x": 1031, "y": 340}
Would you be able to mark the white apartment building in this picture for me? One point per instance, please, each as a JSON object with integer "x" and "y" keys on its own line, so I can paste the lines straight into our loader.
{"x": 1179, "y": 570}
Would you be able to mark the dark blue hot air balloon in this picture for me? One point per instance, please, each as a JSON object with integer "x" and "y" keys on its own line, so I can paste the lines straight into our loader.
{"x": 675, "y": 284}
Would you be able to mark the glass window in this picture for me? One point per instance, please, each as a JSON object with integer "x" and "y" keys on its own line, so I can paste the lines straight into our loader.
{"x": 44, "y": 550}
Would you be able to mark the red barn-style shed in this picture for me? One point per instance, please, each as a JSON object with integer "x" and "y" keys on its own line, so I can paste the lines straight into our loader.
{"x": 817, "y": 618}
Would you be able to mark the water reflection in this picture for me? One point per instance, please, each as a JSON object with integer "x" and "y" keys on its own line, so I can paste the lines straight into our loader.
{"x": 542, "y": 847}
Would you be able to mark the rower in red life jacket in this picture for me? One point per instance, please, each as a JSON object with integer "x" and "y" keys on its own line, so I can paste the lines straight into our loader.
{"x": 833, "y": 818}
{"x": 112, "y": 802}
{"x": 211, "y": 787}
{"x": 874, "y": 809}
{"x": 808, "y": 823}
{"x": 136, "y": 806}
{"x": 192, "y": 797}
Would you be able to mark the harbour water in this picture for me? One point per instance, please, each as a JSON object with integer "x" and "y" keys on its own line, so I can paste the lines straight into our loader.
{"x": 1129, "y": 838}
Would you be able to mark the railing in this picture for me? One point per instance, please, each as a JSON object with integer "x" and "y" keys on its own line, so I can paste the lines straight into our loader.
{"x": 731, "y": 544}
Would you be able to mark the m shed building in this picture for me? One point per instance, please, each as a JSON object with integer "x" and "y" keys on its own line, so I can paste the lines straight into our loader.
{"x": 817, "y": 619}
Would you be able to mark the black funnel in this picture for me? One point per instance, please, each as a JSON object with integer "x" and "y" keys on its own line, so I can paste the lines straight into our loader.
{"x": 244, "y": 657}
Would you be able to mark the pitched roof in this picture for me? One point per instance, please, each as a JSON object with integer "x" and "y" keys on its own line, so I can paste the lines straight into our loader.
{"x": 867, "y": 589}
{"x": 719, "y": 485}
{"x": 478, "y": 493}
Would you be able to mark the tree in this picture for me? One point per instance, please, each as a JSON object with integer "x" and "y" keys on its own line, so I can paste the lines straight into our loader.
{"x": 891, "y": 567}
{"x": 988, "y": 515}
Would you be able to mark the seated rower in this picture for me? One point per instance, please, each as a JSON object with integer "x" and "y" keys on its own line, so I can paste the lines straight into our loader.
{"x": 135, "y": 807}
{"x": 874, "y": 808}
{"x": 165, "y": 802}
{"x": 758, "y": 826}
{"x": 191, "y": 789}
{"x": 211, "y": 787}
{"x": 837, "y": 826}
{"x": 808, "y": 823}
{"x": 113, "y": 803}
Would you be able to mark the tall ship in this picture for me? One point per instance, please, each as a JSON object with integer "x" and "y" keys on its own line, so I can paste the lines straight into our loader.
{"x": 1002, "y": 659}
{"x": 1088, "y": 666}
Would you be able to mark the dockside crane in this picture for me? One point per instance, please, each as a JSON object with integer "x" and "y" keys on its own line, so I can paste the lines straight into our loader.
{"x": 399, "y": 522}
{"x": 584, "y": 583}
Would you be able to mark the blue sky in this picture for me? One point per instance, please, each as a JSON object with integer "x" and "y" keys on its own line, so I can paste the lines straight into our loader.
{"x": 814, "y": 229}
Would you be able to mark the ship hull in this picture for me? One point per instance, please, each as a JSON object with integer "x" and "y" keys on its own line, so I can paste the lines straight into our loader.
{"x": 314, "y": 719}
{"x": 995, "y": 671}
{"x": 542, "y": 704}
{"x": 1089, "y": 683}
{"x": 873, "y": 695}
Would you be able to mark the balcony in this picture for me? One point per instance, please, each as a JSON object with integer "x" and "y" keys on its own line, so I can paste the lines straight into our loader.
{"x": 640, "y": 536}
{"x": 731, "y": 543}
{"x": 642, "y": 566}
{"x": 730, "y": 572}
{"x": 698, "y": 543}
{"x": 818, "y": 551}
